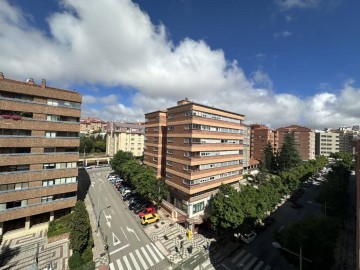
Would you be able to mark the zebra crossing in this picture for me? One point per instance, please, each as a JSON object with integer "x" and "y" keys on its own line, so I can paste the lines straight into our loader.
{"x": 140, "y": 259}
{"x": 244, "y": 260}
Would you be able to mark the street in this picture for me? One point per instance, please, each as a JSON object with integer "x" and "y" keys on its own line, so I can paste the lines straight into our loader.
{"x": 128, "y": 245}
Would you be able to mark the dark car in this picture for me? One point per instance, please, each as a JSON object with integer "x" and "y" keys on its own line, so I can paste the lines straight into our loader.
{"x": 140, "y": 207}
{"x": 268, "y": 221}
{"x": 135, "y": 204}
{"x": 297, "y": 206}
{"x": 259, "y": 228}
{"x": 128, "y": 196}
{"x": 293, "y": 198}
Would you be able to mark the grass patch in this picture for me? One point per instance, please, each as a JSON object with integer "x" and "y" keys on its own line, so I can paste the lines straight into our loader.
{"x": 59, "y": 226}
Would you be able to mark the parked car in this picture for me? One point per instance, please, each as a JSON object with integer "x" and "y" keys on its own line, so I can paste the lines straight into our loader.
{"x": 248, "y": 237}
{"x": 127, "y": 196}
{"x": 297, "y": 206}
{"x": 125, "y": 191}
{"x": 135, "y": 205}
{"x": 293, "y": 198}
{"x": 306, "y": 184}
{"x": 268, "y": 221}
{"x": 150, "y": 218}
{"x": 139, "y": 207}
{"x": 146, "y": 211}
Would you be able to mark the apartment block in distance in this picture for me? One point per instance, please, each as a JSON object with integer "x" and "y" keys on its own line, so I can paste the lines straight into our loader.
{"x": 39, "y": 144}
{"x": 304, "y": 140}
{"x": 261, "y": 136}
{"x": 357, "y": 214}
{"x": 126, "y": 137}
{"x": 326, "y": 142}
{"x": 89, "y": 125}
{"x": 204, "y": 149}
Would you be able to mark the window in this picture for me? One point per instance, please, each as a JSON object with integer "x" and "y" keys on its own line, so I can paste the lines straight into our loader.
{"x": 168, "y": 175}
{"x": 155, "y": 159}
{"x": 156, "y": 129}
{"x": 171, "y": 116}
{"x": 46, "y": 199}
{"x": 186, "y": 154}
{"x": 170, "y": 151}
{"x": 170, "y": 127}
{"x": 170, "y": 140}
{"x": 17, "y": 186}
{"x": 198, "y": 207}
{"x": 169, "y": 163}
{"x": 49, "y": 134}
{"x": 156, "y": 149}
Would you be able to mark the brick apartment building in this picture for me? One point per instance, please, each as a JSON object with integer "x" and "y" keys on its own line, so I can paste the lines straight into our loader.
{"x": 304, "y": 140}
{"x": 39, "y": 143}
{"x": 261, "y": 135}
{"x": 89, "y": 125}
{"x": 357, "y": 214}
{"x": 194, "y": 148}
{"x": 127, "y": 137}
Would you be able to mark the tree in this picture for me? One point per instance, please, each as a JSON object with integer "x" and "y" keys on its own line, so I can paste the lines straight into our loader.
{"x": 120, "y": 158}
{"x": 289, "y": 156}
{"x": 269, "y": 158}
{"x": 80, "y": 230}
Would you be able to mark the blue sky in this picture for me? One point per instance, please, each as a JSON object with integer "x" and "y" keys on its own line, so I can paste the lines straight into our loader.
{"x": 279, "y": 62}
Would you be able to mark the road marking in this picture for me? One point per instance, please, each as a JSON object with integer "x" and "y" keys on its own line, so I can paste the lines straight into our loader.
{"x": 112, "y": 212}
{"x": 134, "y": 261}
{"x": 250, "y": 263}
{"x": 244, "y": 260}
{"x": 158, "y": 252}
{"x": 131, "y": 230}
{"x": 146, "y": 256}
{"x": 193, "y": 262}
{"x": 267, "y": 267}
{"x": 112, "y": 267}
{"x": 119, "y": 264}
{"x": 127, "y": 263}
{"x": 123, "y": 232}
{"x": 141, "y": 259}
{"x": 206, "y": 263}
{"x": 116, "y": 240}
{"x": 114, "y": 251}
{"x": 238, "y": 256}
{"x": 258, "y": 266}
{"x": 227, "y": 268}
{"x": 152, "y": 253}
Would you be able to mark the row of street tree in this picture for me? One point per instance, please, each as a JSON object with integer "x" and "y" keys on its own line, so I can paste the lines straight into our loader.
{"x": 140, "y": 176}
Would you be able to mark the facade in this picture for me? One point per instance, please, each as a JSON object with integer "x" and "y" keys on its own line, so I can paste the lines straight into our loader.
{"x": 326, "y": 142}
{"x": 357, "y": 214}
{"x": 39, "y": 144}
{"x": 200, "y": 149}
{"x": 304, "y": 140}
{"x": 261, "y": 135}
{"x": 126, "y": 137}
{"x": 89, "y": 125}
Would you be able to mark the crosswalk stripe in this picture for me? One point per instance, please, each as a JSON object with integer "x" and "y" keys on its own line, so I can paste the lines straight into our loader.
{"x": 258, "y": 266}
{"x": 267, "y": 267}
{"x": 244, "y": 260}
{"x": 158, "y": 252}
{"x": 250, "y": 263}
{"x": 238, "y": 256}
{"x": 152, "y": 253}
{"x": 127, "y": 263}
{"x": 134, "y": 260}
{"x": 146, "y": 256}
{"x": 119, "y": 264}
{"x": 141, "y": 259}
{"x": 112, "y": 267}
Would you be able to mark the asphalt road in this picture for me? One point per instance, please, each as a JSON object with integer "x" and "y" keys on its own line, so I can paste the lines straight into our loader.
{"x": 129, "y": 246}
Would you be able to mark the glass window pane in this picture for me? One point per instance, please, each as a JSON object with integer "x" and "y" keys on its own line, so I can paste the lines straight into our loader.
{"x": 17, "y": 186}
{"x": 25, "y": 185}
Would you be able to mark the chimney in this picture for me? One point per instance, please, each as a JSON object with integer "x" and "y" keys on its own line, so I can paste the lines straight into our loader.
{"x": 43, "y": 83}
{"x": 1, "y": 76}
{"x": 30, "y": 81}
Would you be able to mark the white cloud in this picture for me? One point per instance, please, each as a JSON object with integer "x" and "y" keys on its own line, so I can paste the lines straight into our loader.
{"x": 125, "y": 49}
{"x": 289, "y": 18}
{"x": 283, "y": 34}
{"x": 289, "y": 4}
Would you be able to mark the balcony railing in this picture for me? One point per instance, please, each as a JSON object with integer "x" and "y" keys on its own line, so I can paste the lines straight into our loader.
{"x": 34, "y": 154}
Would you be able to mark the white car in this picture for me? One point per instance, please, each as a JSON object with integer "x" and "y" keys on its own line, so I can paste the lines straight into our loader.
{"x": 248, "y": 237}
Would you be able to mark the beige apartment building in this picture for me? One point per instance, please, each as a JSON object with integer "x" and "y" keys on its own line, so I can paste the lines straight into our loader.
{"x": 304, "y": 140}
{"x": 127, "y": 137}
{"x": 89, "y": 125}
{"x": 39, "y": 140}
{"x": 261, "y": 136}
{"x": 327, "y": 142}
{"x": 195, "y": 148}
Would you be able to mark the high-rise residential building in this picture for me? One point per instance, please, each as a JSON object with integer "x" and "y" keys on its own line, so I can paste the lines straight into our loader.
{"x": 90, "y": 125}
{"x": 39, "y": 141}
{"x": 304, "y": 140}
{"x": 201, "y": 148}
{"x": 357, "y": 214}
{"x": 127, "y": 137}
{"x": 326, "y": 142}
{"x": 261, "y": 136}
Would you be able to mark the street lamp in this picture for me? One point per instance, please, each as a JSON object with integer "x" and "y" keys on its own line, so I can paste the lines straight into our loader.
{"x": 98, "y": 218}
{"x": 278, "y": 245}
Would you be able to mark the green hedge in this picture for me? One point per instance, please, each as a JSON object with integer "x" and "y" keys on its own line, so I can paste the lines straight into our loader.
{"x": 59, "y": 226}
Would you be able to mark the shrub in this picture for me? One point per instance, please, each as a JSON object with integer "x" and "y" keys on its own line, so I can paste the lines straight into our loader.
{"x": 59, "y": 226}
{"x": 1, "y": 237}
{"x": 87, "y": 255}
{"x": 75, "y": 260}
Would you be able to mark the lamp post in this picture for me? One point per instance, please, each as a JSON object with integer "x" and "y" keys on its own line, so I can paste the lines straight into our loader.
{"x": 98, "y": 218}
{"x": 98, "y": 207}
{"x": 301, "y": 258}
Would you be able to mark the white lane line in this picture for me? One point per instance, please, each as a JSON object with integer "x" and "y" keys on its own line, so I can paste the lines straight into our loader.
{"x": 146, "y": 256}
{"x": 227, "y": 268}
{"x": 127, "y": 263}
{"x": 241, "y": 263}
{"x": 258, "y": 266}
{"x": 112, "y": 267}
{"x": 134, "y": 260}
{"x": 119, "y": 264}
{"x": 250, "y": 263}
{"x": 238, "y": 256}
{"x": 123, "y": 232}
{"x": 152, "y": 254}
{"x": 141, "y": 259}
{"x": 116, "y": 250}
{"x": 158, "y": 252}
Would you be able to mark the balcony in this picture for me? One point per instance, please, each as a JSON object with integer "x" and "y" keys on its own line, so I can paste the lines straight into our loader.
{"x": 40, "y": 142}
{"x": 37, "y": 158}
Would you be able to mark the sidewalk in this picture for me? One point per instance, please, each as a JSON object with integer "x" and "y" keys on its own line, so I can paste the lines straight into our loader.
{"x": 100, "y": 256}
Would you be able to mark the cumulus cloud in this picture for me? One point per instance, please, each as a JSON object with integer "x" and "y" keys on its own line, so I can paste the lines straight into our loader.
{"x": 289, "y": 4}
{"x": 283, "y": 34}
{"x": 113, "y": 43}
